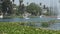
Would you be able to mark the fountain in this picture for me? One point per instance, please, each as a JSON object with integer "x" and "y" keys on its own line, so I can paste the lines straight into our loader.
{"x": 26, "y": 15}
{"x": 58, "y": 17}
{"x": 1, "y": 16}
{"x": 58, "y": 6}
{"x": 41, "y": 16}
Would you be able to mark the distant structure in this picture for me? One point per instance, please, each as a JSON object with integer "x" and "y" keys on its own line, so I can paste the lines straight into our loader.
{"x": 44, "y": 10}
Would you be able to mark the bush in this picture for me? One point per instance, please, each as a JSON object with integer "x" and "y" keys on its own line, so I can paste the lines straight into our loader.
{"x": 22, "y": 23}
{"x": 16, "y": 28}
{"x": 52, "y": 21}
{"x": 45, "y": 24}
{"x": 31, "y": 24}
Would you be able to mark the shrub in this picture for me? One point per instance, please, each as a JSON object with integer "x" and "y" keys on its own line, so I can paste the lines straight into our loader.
{"x": 31, "y": 24}
{"x": 45, "y": 24}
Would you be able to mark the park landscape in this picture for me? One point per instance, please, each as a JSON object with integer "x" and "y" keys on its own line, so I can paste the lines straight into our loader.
{"x": 29, "y": 17}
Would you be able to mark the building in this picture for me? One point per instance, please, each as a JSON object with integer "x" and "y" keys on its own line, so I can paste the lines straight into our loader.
{"x": 44, "y": 10}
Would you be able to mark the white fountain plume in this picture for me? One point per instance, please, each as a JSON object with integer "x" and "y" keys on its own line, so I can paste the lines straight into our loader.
{"x": 1, "y": 16}
{"x": 26, "y": 16}
{"x": 58, "y": 6}
{"x": 41, "y": 16}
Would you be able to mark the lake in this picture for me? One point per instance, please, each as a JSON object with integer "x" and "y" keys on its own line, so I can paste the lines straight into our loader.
{"x": 37, "y": 20}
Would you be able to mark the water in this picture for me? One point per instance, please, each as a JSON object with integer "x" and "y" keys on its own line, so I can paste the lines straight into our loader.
{"x": 58, "y": 7}
{"x": 37, "y": 20}
{"x": 55, "y": 26}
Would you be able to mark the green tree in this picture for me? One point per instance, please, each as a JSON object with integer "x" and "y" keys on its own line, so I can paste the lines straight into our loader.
{"x": 34, "y": 9}
{"x": 20, "y": 9}
{"x": 6, "y": 7}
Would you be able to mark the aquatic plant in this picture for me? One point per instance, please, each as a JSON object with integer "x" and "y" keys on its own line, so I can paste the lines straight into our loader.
{"x": 30, "y": 23}
{"x": 45, "y": 24}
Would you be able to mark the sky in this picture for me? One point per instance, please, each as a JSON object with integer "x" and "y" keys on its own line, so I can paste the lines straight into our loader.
{"x": 50, "y": 3}
{"x": 46, "y": 2}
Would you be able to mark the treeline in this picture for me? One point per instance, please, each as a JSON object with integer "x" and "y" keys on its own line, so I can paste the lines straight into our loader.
{"x": 9, "y": 8}
{"x": 37, "y": 10}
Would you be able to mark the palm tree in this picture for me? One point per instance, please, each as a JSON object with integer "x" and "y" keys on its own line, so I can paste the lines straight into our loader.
{"x": 40, "y": 13}
{"x": 27, "y": 3}
{"x": 40, "y": 3}
{"x": 13, "y": 1}
{"x": 20, "y": 2}
{"x": 44, "y": 6}
{"x": 20, "y": 5}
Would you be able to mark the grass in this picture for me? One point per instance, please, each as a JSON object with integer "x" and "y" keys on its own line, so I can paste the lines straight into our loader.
{"x": 33, "y": 16}
{"x": 13, "y": 16}
{"x": 17, "y": 28}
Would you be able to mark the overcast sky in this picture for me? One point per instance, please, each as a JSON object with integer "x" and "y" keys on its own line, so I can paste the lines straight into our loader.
{"x": 53, "y": 3}
{"x": 46, "y": 2}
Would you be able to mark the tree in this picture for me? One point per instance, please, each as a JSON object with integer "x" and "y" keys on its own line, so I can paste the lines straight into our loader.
{"x": 21, "y": 7}
{"x": 20, "y": 1}
{"x": 34, "y": 9}
{"x": 13, "y": 1}
{"x": 6, "y": 7}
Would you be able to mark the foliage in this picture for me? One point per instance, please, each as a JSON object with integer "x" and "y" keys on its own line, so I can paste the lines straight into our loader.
{"x": 13, "y": 16}
{"x": 34, "y": 9}
{"x": 30, "y": 24}
{"x": 45, "y": 24}
{"x": 7, "y": 4}
{"x": 52, "y": 21}
{"x": 16, "y": 28}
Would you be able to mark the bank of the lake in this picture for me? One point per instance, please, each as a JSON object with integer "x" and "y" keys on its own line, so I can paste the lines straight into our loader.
{"x": 13, "y": 16}
{"x": 18, "y": 28}
{"x": 19, "y": 16}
